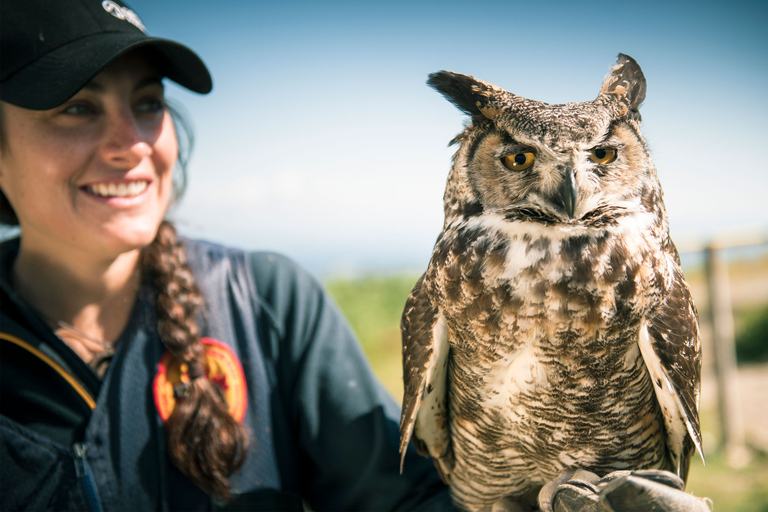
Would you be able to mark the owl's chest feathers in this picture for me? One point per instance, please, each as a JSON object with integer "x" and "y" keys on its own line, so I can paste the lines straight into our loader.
{"x": 542, "y": 319}
{"x": 504, "y": 286}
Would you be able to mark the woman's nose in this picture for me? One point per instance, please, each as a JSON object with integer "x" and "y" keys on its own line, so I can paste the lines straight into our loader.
{"x": 125, "y": 141}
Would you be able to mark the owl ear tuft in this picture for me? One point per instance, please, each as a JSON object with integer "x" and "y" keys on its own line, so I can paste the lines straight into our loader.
{"x": 627, "y": 82}
{"x": 470, "y": 95}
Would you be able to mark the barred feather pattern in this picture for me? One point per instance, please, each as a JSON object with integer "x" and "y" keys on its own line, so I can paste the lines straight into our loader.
{"x": 545, "y": 370}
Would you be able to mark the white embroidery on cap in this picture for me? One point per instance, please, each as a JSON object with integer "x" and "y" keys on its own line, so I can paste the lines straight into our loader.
{"x": 123, "y": 13}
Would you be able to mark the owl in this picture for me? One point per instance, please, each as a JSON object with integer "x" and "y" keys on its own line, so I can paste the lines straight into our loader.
{"x": 553, "y": 329}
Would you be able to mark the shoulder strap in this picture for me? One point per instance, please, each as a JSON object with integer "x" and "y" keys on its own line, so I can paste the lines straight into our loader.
{"x": 53, "y": 367}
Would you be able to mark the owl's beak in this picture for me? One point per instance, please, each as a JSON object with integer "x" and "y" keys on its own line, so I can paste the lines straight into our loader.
{"x": 569, "y": 192}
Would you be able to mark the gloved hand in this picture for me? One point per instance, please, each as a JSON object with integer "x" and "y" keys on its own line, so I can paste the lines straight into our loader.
{"x": 620, "y": 491}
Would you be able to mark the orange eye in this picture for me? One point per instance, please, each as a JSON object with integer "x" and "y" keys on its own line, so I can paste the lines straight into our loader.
{"x": 603, "y": 155}
{"x": 519, "y": 161}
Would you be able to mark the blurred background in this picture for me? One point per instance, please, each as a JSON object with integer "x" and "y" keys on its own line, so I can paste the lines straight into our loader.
{"x": 321, "y": 140}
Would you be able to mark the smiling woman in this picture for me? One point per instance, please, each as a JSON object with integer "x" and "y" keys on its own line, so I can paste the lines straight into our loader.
{"x": 88, "y": 182}
{"x": 144, "y": 371}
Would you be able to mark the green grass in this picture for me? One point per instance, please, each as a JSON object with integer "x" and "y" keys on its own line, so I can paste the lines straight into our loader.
{"x": 751, "y": 325}
{"x": 373, "y": 305}
{"x": 731, "y": 490}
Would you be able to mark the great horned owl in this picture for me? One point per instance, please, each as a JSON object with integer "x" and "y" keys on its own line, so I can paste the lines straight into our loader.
{"x": 553, "y": 328}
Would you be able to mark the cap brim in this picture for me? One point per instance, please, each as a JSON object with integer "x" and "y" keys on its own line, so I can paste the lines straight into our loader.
{"x": 59, "y": 74}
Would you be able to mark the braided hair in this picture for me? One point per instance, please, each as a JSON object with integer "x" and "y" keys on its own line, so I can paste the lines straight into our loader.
{"x": 204, "y": 441}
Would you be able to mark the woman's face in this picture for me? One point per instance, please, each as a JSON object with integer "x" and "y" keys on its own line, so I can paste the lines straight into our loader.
{"x": 94, "y": 174}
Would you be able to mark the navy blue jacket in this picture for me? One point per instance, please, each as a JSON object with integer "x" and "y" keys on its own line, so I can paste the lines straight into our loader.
{"x": 324, "y": 431}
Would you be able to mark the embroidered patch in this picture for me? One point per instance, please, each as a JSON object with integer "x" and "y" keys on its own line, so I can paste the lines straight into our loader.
{"x": 223, "y": 370}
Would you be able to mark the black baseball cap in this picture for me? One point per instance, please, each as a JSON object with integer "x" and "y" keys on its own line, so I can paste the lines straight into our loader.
{"x": 49, "y": 49}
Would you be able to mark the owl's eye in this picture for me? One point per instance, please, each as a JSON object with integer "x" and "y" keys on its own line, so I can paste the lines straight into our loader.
{"x": 519, "y": 161}
{"x": 602, "y": 155}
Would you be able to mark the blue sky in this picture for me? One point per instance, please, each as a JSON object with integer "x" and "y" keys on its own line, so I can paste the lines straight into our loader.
{"x": 322, "y": 141}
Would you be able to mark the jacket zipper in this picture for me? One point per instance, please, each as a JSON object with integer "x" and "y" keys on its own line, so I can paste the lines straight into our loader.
{"x": 85, "y": 478}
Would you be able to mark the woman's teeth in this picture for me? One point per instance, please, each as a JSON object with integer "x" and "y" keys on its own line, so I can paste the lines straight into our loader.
{"x": 131, "y": 189}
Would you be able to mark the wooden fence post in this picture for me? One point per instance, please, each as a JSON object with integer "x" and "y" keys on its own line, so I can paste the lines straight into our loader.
{"x": 724, "y": 352}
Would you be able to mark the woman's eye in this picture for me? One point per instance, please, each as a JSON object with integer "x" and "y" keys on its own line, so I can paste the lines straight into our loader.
{"x": 603, "y": 155}
{"x": 150, "y": 106}
{"x": 518, "y": 161}
{"x": 78, "y": 109}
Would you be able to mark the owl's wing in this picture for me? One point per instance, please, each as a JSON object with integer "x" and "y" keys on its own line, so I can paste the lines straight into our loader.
{"x": 671, "y": 348}
{"x": 425, "y": 364}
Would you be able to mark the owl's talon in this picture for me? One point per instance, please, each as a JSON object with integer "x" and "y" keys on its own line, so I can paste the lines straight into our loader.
{"x": 571, "y": 486}
{"x": 619, "y": 491}
{"x": 547, "y": 493}
{"x": 576, "y": 497}
{"x": 656, "y": 475}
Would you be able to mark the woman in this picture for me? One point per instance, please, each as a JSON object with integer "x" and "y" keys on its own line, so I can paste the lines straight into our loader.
{"x": 141, "y": 371}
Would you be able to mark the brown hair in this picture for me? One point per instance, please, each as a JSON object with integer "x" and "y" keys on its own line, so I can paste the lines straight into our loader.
{"x": 7, "y": 215}
{"x": 204, "y": 441}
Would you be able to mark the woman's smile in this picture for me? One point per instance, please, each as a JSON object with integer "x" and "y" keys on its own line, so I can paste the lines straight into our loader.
{"x": 119, "y": 194}
{"x": 130, "y": 189}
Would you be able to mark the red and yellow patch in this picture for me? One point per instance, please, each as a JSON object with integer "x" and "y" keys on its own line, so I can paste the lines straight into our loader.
{"x": 223, "y": 370}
